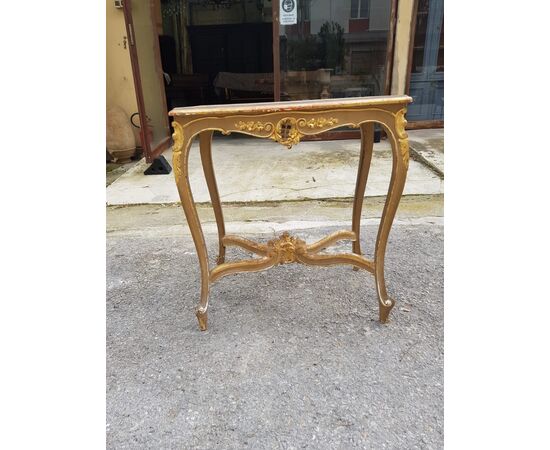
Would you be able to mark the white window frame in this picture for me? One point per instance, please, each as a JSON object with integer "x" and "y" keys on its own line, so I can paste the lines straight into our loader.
{"x": 358, "y": 10}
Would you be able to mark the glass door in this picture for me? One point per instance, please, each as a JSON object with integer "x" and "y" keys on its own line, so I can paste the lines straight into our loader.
{"x": 217, "y": 51}
{"x": 426, "y": 78}
{"x": 336, "y": 49}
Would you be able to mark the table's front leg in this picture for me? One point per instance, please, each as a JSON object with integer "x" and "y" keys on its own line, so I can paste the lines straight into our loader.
{"x": 400, "y": 151}
{"x": 365, "y": 157}
{"x": 208, "y": 168}
{"x": 180, "y": 162}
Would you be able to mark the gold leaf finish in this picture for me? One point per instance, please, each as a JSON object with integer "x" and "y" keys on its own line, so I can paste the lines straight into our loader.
{"x": 254, "y": 126}
{"x": 400, "y": 124}
{"x": 317, "y": 123}
{"x": 288, "y": 249}
{"x": 202, "y": 317}
{"x": 404, "y": 148}
{"x": 287, "y": 123}
{"x": 286, "y": 132}
{"x": 177, "y": 136}
{"x": 285, "y": 248}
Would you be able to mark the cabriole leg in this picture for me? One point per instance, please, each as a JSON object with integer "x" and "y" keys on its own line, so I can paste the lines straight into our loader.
{"x": 180, "y": 161}
{"x": 400, "y": 151}
{"x": 365, "y": 157}
{"x": 206, "y": 157}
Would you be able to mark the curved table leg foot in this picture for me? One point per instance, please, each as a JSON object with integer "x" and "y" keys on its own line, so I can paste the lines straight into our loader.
{"x": 384, "y": 309}
{"x": 201, "y": 311}
{"x": 202, "y": 317}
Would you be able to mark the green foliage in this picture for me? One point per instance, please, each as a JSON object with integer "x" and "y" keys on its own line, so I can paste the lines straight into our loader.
{"x": 303, "y": 53}
{"x": 326, "y": 50}
{"x": 331, "y": 36}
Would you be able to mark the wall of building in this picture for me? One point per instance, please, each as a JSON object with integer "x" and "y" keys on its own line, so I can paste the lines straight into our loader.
{"x": 120, "y": 82}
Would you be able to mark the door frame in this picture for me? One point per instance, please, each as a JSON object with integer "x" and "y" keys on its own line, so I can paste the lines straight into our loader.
{"x": 151, "y": 152}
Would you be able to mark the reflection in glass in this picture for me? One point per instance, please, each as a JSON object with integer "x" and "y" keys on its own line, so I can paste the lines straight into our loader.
{"x": 420, "y": 35}
{"x": 217, "y": 51}
{"x": 440, "y": 50}
{"x": 336, "y": 49}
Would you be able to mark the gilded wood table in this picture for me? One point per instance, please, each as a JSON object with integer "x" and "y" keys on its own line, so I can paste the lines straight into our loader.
{"x": 286, "y": 123}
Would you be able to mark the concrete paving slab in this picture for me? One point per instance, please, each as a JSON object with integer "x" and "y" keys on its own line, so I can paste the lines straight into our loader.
{"x": 427, "y": 147}
{"x": 294, "y": 357}
{"x": 254, "y": 170}
{"x": 115, "y": 171}
{"x": 169, "y": 220}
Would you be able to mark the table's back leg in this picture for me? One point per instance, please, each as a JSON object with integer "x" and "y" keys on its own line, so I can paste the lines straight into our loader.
{"x": 400, "y": 151}
{"x": 206, "y": 157}
{"x": 180, "y": 162}
{"x": 365, "y": 157}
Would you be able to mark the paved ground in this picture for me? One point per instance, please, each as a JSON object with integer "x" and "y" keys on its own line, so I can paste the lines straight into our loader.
{"x": 293, "y": 358}
{"x": 312, "y": 170}
{"x": 115, "y": 171}
{"x": 426, "y": 147}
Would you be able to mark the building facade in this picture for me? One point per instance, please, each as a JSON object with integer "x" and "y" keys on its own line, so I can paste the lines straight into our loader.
{"x": 189, "y": 52}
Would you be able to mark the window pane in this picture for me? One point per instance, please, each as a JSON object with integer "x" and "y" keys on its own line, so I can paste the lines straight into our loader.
{"x": 420, "y": 35}
{"x": 217, "y": 52}
{"x": 364, "y": 12}
{"x": 354, "y": 8}
{"x": 336, "y": 54}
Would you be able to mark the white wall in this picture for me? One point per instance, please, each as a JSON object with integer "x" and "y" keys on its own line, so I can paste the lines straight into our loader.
{"x": 340, "y": 11}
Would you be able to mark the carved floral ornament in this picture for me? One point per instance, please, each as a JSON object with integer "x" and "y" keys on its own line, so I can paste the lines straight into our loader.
{"x": 286, "y": 247}
{"x": 400, "y": 124}
{"x": 287, "y": 130}
{"x": 177, "y": 136}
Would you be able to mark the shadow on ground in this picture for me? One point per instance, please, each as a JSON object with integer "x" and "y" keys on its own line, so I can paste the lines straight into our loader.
{"x": 294, "y": 357}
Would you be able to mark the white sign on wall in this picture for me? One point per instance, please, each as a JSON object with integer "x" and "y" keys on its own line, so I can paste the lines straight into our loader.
{"x": 288, "y": 12}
